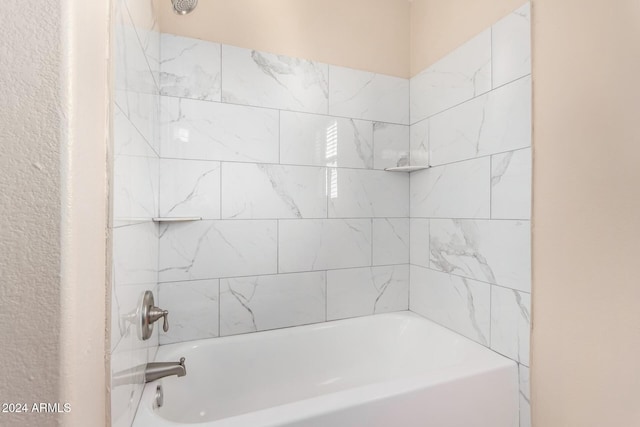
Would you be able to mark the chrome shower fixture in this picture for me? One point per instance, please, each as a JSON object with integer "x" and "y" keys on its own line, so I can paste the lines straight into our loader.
{"x": 182, "y": 7}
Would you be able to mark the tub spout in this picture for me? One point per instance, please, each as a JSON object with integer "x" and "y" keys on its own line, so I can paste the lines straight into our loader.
{"x": 157, "y": 370}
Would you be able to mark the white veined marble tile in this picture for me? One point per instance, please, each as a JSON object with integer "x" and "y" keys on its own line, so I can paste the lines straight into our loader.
{"x": 457, "y": 190}
{"x": 249, "y": 304}
{"x": 320, "y": 244}
{"x": 311, "y": 139}
{"x": 455, "y": 302}
{"x": 135, "y": 254}
{"x": 125, "y": 304}
{"x": 494, "y": 251}
{"x": 190, "y": 68}
{"x": 263, "y": 79}
{"x": 390, "y": 241}
{"x": 135, "y": 187}
{"x": 367, "y": 193}
{"x": 390, "y": 144}
{"x": 189, "y": 188}
{"x": 132, "y": 71}
{"x": 144, "y": 17}
{"x": 511, "y": 185}
{"x": 458, "y": 77}
{"x": 510, "y": 323}
{"x": 212, "y": 249}
{"x": 121, "y": 392}
{"x": 495, "y": 122}
{"x": 205, "y": 130}
{"x": 370, "y": 96}
{"x": 419, "y": 241}
{"x": 511, "y": 46}
{"x": 143, "y": 111}
{"x": 127, "y": 140}
{"x": 419, "y": 143}
{"x": 193, "y": 310}
{"x": 364, "y": 291}
{"x": 525, "y": 397}
{"x": 253, "y": 190}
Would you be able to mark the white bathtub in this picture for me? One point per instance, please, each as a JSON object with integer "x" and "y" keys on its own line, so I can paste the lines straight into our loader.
{"x": 388, "y": 370}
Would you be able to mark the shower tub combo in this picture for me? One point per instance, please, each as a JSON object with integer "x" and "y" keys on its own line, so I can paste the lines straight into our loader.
{"x": 387, "y": 370}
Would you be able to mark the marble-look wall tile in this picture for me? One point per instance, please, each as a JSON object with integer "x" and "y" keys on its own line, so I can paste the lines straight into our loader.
{"x": 419, "y": 143}
{"x": 249, "y": 304}
{"x": 190, "y": 68}
{"x": 457, "y": 190}
{"x": 263, "y": 79}
{"x": 311, "y": 139}
{"x": 212, "y": 249}
{"x": 202, "y": 130}
{"x": 135, "y": 187}
{"x": 511, "y": 185}
{"x": 316, "y": 244}
{"x": 127, "y": 140}
{"x": 253, "y": 190}
{"x": 391, "y": 145}
{"x": 458, "y": 77}
{"x": 135, "y": 254}
{"x": 125, "y": 305}
{"x": 143, "y": 111}
{"x": 364, "y": 291}
{"x": 495, "y": 122}
{"x": 510, "y": 323}
{"x": 511, "y": 46}
{"x": 390, "y": 241}
{"x": 452, "y": 301}
{"x": 364, "y": 95}
{"x": 189, "y": 188}
{"x": 367, "y": 193}
{"x": 525, "y": 399}
{"x": 143, "y": 15}
{"x": 419, "y": 236}
{"x": 497, "y": 252}
{"x": 193, "y": 309}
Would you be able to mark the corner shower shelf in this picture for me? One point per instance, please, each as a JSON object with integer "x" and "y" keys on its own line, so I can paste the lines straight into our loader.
{"x": 178, "y": 219}
{"x": 406, "y": 168}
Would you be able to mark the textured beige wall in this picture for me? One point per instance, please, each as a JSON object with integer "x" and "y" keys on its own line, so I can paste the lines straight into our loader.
{"x": 52, "y": 209}
{"x": 370, "y": 35}
{"x": 586, "y": 214}
{"x": 440, "y": 26}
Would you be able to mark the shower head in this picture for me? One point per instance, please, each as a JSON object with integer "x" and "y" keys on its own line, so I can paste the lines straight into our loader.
{"x": 182, "y": 7}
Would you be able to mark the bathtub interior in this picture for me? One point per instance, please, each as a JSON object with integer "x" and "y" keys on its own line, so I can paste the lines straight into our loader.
{"x": 241, "y": 374}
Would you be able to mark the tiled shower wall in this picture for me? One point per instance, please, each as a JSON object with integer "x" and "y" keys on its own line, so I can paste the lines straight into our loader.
{"x": 282, "y": 159}
{"x": 470, "y": 212}
{"x": 135, "y": 198}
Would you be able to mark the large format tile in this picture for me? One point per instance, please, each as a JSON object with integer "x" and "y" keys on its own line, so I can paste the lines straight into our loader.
{"x": 497, "y": 252}
{"x": 390, "y": 241}
{"x": 390, "y": 145}
{"x": 311, "y": 139}
{"x": 189, "y": 188}
{"x": 455, "y": 302}
{"x": 135, "y": 253}
{"x": 193, "y": 310}
{"x": 316, "y": 244}
{"x": 364, "y": 291}
{"x": 249, "y": 304}
{"x": 457, "y": 190}
{"x": 364, "y": 95}
{"x": 459, "y": 76}
{"x": 525, "y": 399}
{"x": 190, "y": 68}
{"x": 495, "y": 122}
{"x": 419, "y": 242}
{"x": 367, "y": 193}
{"x": 143, "y": 111}
{"x": 135, "y": 187}
{"x": 511, "y": 46}
{"x": 127, "y": 140}
{"x": 510, "y": 323}
{"x": 202, "y": 130}
{"x": 212, "y": 249}
{"x": 252, "y": 190}
{"x": 511, "y": 185}
{"x": 144, "y": 17}
{"x": 419, "y": 143}
{"x": 262, "y": 79}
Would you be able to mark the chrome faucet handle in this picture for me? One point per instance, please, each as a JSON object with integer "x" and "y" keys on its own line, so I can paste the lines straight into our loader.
{"x": 149, "y": 314}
